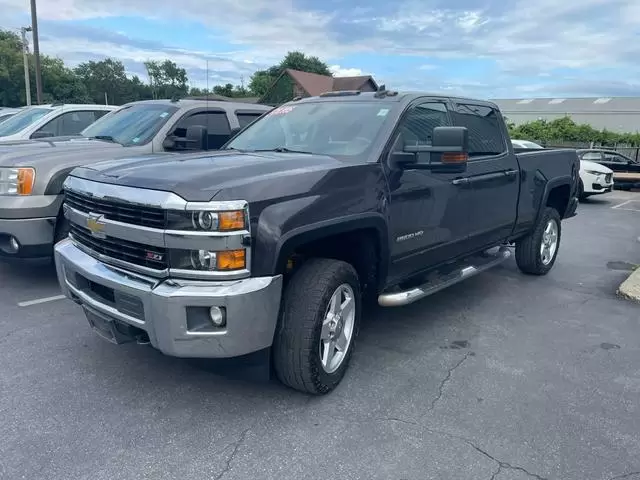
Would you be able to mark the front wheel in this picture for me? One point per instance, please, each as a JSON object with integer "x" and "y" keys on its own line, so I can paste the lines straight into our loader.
{"x": 537, "y": 252}
{"x": 318, "y": 326}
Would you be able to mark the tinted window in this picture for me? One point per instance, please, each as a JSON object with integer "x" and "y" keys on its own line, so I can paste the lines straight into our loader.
{"x": 245, "y": 119}
{"x": 22, "y": 120}
{"x": 216, "y": 123}
{"x": 131, "y": 124}
{"x": 484, "y": 125}
{"x": 344, "y": 129}
{"x": 612, "y": 157}
{"x": 416, "y": 128}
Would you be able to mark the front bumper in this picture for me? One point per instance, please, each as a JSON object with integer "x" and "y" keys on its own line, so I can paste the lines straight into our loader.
{"x": 31, "y": 220}
{"x": 173, "y": 314}
{"x": 594, "y": 184}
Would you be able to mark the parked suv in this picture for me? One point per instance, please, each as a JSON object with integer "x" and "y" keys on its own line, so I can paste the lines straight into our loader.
{"x": 53, "y": 120}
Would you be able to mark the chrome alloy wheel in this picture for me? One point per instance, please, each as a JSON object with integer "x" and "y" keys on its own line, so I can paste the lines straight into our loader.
{"x": 337, "y": 328}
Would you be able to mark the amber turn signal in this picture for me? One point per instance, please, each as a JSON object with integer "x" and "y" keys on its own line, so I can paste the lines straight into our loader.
{"x": 231, "y": 221}
{"x": 231, "y": 260}
{"x": 26, "y": 179}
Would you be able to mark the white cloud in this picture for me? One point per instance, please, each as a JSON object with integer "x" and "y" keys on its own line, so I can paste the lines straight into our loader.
{"x": 338, "y": 71}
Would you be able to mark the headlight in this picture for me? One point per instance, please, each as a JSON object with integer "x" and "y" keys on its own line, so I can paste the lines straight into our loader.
{"x": 208, "y": 261}
{"x": 17, "y": 181}
{"x": 593, "y": 172}
{"x": 207, "y": 221}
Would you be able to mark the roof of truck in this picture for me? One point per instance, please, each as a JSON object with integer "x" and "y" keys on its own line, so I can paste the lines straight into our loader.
{"x": 189, "y": 103}
{"x": 390, "y": 96}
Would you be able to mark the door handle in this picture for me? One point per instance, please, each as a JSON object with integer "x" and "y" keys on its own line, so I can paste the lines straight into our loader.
{"x": 511, "y": 173}
{"x": 460, "y": 181}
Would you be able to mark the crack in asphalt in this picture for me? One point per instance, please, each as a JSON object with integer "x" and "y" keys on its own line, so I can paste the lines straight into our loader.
{"x": 445, "y": 380}
{"x": 625, "y": 475}
{"x": 501, "y": 464}
{"x": 236, "y": 446}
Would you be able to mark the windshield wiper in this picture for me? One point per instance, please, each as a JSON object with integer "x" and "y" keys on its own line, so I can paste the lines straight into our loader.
{"x": 106, "y": 138}
{"x": 282, "y": 150}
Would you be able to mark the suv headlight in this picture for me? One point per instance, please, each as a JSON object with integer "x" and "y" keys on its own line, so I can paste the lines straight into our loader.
{"x": 593, "y": 172}
{"x": 207, "y": 221}
{"x": 17, "y": 180}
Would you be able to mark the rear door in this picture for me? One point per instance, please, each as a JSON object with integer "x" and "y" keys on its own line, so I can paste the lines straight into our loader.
{"x": 428, "y": 211}
{"x": 492, "y": 173}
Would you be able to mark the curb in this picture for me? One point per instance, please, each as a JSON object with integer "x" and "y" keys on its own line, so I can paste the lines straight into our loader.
{"x": 630, "y": 288}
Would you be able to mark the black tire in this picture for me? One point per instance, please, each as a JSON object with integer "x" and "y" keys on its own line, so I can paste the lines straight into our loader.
{"x": 581, "y": 195}
{"x": 528, "y": 255}
{"x": 296, "y": 347}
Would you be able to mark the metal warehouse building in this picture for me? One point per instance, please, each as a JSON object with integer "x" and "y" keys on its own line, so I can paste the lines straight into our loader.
{"x": 616, "y": 114}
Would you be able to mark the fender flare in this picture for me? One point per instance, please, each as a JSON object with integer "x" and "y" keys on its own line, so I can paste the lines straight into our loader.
{"x": 292, "y": 239}
{"x": 549, "y": 186}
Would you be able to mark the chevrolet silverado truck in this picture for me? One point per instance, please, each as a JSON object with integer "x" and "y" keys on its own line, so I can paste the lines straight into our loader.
{"x": 32, "y": 172}
{"x": 276, "y": 241}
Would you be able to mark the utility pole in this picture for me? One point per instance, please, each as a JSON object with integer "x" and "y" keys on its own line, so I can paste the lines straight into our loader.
{"x": 25, "y": 56}
{"x": 36, "y": 51}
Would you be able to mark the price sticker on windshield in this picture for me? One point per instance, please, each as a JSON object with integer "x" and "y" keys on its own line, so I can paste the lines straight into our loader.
{"x": 281, "y": 110}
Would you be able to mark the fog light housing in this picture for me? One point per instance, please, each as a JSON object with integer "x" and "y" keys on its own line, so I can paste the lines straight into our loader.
{"x": 218, "y": 316}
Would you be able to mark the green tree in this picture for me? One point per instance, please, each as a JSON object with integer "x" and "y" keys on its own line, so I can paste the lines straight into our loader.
{"x": 109, "y": 77}
{"x": 167, "y": 79}
{"x": 12, "y": 91}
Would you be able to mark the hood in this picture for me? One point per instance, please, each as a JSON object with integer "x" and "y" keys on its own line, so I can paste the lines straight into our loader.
{"x": 27, "y": 156}
{"x": 73, "y": 141}
{"x": 594, "y": 167}
{"x": 198, "y": 177}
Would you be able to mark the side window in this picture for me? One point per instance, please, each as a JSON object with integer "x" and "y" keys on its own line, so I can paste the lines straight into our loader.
{"x": 50, "y": 129}
{"x": 416, "y": 128}
{"x": 100, "y": 113}
{"x": 245, "y": 118}
{"x": 612, "y": 157}
{"x": 216, "y": 123}
{"x": 592, "y": 156}
{"x": 484, "y": 126}
{"x": 74, "y": 122}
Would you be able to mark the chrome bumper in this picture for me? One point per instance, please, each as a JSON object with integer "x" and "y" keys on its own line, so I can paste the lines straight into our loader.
{"x": 167, "y": 310}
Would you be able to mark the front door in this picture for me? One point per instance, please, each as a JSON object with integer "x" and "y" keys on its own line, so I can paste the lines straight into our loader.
{"x": 428, "y": 210}
{"x": 492, "y": 172}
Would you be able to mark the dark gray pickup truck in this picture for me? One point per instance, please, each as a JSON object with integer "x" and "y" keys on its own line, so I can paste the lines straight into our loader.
{"x": 274, "y": 242}
{"x": 32, "y": 171}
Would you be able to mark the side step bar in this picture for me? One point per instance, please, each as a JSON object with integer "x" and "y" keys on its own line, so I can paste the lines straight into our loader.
{"x": 478, "y": 264}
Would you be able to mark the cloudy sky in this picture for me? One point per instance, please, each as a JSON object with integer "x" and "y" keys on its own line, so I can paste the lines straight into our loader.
{"x": 485, "y": 48}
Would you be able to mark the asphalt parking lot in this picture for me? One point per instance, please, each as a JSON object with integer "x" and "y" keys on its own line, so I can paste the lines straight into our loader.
{"x": 503, "y": 377}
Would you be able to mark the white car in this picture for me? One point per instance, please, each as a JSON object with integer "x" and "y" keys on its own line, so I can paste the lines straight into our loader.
{"x": 55, "y": 120}
{"x": 595, "y": 179}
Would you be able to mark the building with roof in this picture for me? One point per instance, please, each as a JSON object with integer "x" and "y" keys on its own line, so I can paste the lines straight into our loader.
{"x": 615, "y": 114}
{"x": 294, "y": 83}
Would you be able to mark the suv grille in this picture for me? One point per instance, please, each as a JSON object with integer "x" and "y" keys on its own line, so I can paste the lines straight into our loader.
{"x": 124, "y": 250}
{"x": 118, "y": 211}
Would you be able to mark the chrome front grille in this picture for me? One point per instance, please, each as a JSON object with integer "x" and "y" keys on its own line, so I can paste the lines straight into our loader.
{"x": 118, "y": 211}
{"x": 131, "y": 252}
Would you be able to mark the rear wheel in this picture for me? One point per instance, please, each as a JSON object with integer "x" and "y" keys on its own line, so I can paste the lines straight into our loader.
{"x": 318, "y": 325}
{"x": 537, "y": 252}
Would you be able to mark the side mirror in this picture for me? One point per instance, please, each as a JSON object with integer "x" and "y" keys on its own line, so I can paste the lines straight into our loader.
{"x": 196, "y": 138}
{"x": 448, "y": 152}
{"x": 41, "y": 134}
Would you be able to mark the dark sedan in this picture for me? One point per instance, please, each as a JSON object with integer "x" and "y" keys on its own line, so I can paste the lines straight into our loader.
{"x": 626, "y": 170}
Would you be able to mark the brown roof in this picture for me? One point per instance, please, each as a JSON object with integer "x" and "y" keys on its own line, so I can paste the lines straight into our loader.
{"x": 312, "y": 83}
{"x": 352, "y": 83}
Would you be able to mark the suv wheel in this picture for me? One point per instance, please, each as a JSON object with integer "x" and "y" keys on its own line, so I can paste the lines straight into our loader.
{"x": 537, "y": 252}
{"x": 318, "y": 325}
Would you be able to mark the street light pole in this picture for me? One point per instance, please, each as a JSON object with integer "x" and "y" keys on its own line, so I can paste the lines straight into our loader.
{"x": 36, "y": 51}
{"x": 25, "y": 51}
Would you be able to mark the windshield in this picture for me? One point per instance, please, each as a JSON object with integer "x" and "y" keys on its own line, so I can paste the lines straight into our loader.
{"x": 131, "y": 125}
{"x": 21, "y": 120}
{"x": 324, "y": 128}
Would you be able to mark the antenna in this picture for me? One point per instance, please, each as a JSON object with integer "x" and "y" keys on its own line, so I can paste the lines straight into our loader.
{"x": 208, "y": 116}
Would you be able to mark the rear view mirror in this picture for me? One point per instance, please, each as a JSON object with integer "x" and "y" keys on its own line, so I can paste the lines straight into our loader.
{"x": 448, "y": 152}
{"x": 196, "y": 137}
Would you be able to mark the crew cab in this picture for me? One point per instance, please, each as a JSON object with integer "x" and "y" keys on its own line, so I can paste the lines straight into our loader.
{"x": 32, "y": 172}
{"x": 275, "y": 242}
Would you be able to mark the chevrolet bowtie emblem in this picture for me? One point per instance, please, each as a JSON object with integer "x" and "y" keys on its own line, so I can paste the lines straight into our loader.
{"x": 95, "y": 224}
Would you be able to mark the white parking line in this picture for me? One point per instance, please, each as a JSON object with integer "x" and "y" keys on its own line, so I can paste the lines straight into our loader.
{"x": 28, "y": 303}
{"x": 623, "y": 204}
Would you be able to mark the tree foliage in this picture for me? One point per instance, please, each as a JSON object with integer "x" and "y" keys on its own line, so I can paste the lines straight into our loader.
{"x": 566, "y": 130}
